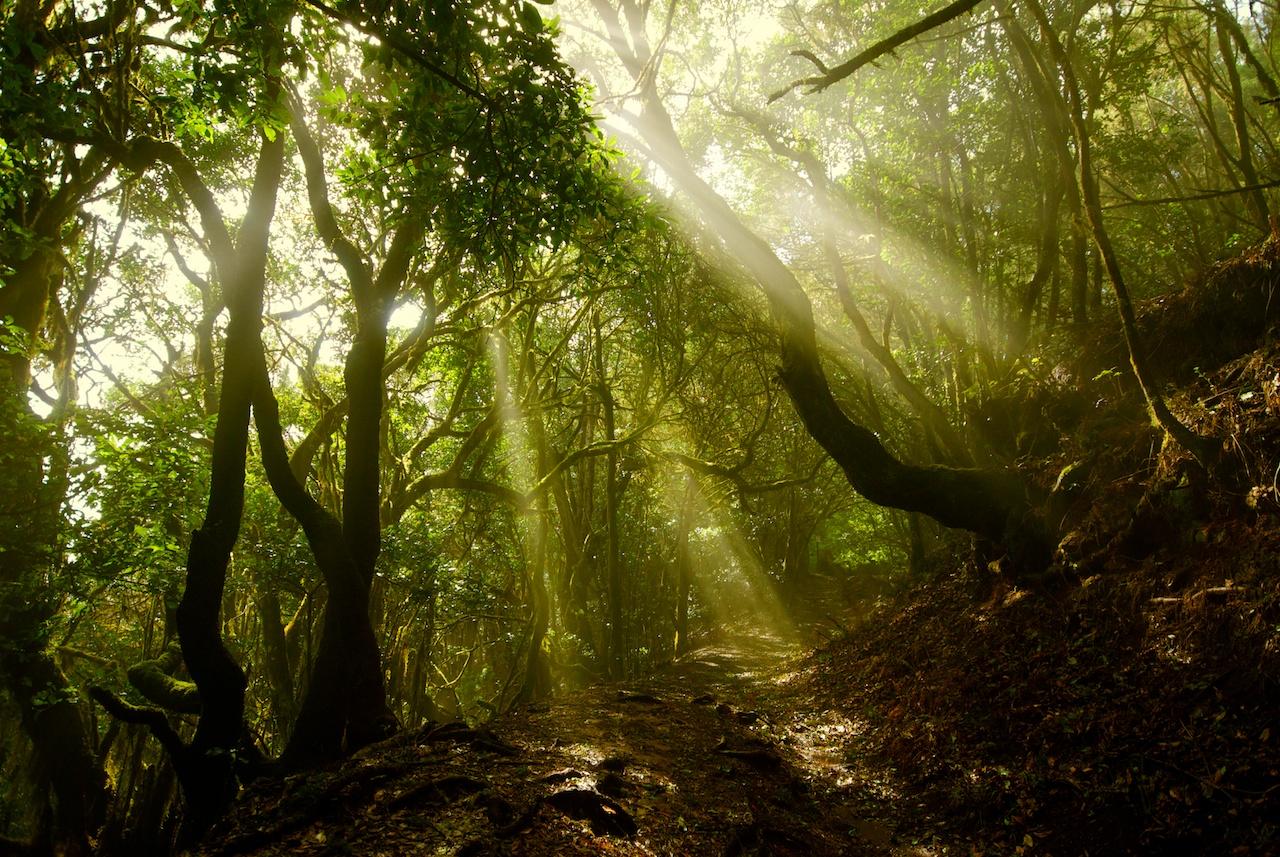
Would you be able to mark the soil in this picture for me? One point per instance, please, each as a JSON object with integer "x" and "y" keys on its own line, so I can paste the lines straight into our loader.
{"x": 710, "y": 755}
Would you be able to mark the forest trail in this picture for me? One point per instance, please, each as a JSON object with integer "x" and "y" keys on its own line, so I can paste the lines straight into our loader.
{"x": 713, "y": 754}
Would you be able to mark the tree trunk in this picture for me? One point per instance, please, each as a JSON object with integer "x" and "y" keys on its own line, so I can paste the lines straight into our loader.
{"x": 537, "y": 674}
{"x": 612, "y": 495}
{"x": 345, "y": 706}
{"x": 1046, "y": 260}
{"x": 346, "y": 675}
{"x": 276, "y": 655}
{"x": 684, "y": 563}
{"x": 30, "y": 509}
{"x": 207, "y": 768}
{"x": 1240, "y": 120}
{"x": 570, "y": 589}
{"x": 991, "y": 503}
{"x": 1197, "y": 446}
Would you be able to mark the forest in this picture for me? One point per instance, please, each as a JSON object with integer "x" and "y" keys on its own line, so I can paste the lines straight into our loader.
{"x": 789, "y": 427}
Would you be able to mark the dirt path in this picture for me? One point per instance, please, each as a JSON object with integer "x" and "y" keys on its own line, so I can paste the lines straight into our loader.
{"x": 712, "y": 755}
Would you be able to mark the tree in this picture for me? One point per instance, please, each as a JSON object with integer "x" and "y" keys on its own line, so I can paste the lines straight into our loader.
{"x": 344, "y": 706}
{"x": 43, "y": 182}
{"x": 993, "y": 504}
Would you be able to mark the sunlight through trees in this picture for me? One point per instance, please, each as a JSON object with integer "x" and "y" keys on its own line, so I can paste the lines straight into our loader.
{"x": 371, "y": 364}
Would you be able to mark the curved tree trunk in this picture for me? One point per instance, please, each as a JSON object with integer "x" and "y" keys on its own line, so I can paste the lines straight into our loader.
{"x": 347, "y": 671}
{"x": 206, "y": 766}
{"x": 991, "y": 503}
{"x": 206, "y": 769}
{"x": 826, "y": 195}
{"x": 345, "y": 706}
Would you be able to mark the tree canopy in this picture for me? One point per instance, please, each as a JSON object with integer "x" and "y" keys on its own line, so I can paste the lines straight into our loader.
{"x": 369, "y": 363}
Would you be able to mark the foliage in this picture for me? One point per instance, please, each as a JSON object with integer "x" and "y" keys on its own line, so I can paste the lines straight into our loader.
{"x": 582, "y": 437}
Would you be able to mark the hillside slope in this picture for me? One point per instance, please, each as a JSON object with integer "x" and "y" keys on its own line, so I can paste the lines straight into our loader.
{"x": 1126, "y": 700}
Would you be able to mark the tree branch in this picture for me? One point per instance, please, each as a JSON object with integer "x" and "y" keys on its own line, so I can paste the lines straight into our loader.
{"x": 349, "y": 256}
{"x": 403, "y": 48}
{"x": 598, "y": 448}
{"x": 1195, "y": 197}
{"x": 152, "y": 718}
{"x": 873, "y": 53}
{"x": 154, "y": 680}
{"x": 141, "y": 153}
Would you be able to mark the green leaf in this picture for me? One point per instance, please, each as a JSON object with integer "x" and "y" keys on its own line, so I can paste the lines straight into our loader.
{"x": 530, "y": 19}
{"x": 334, "y": 97}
